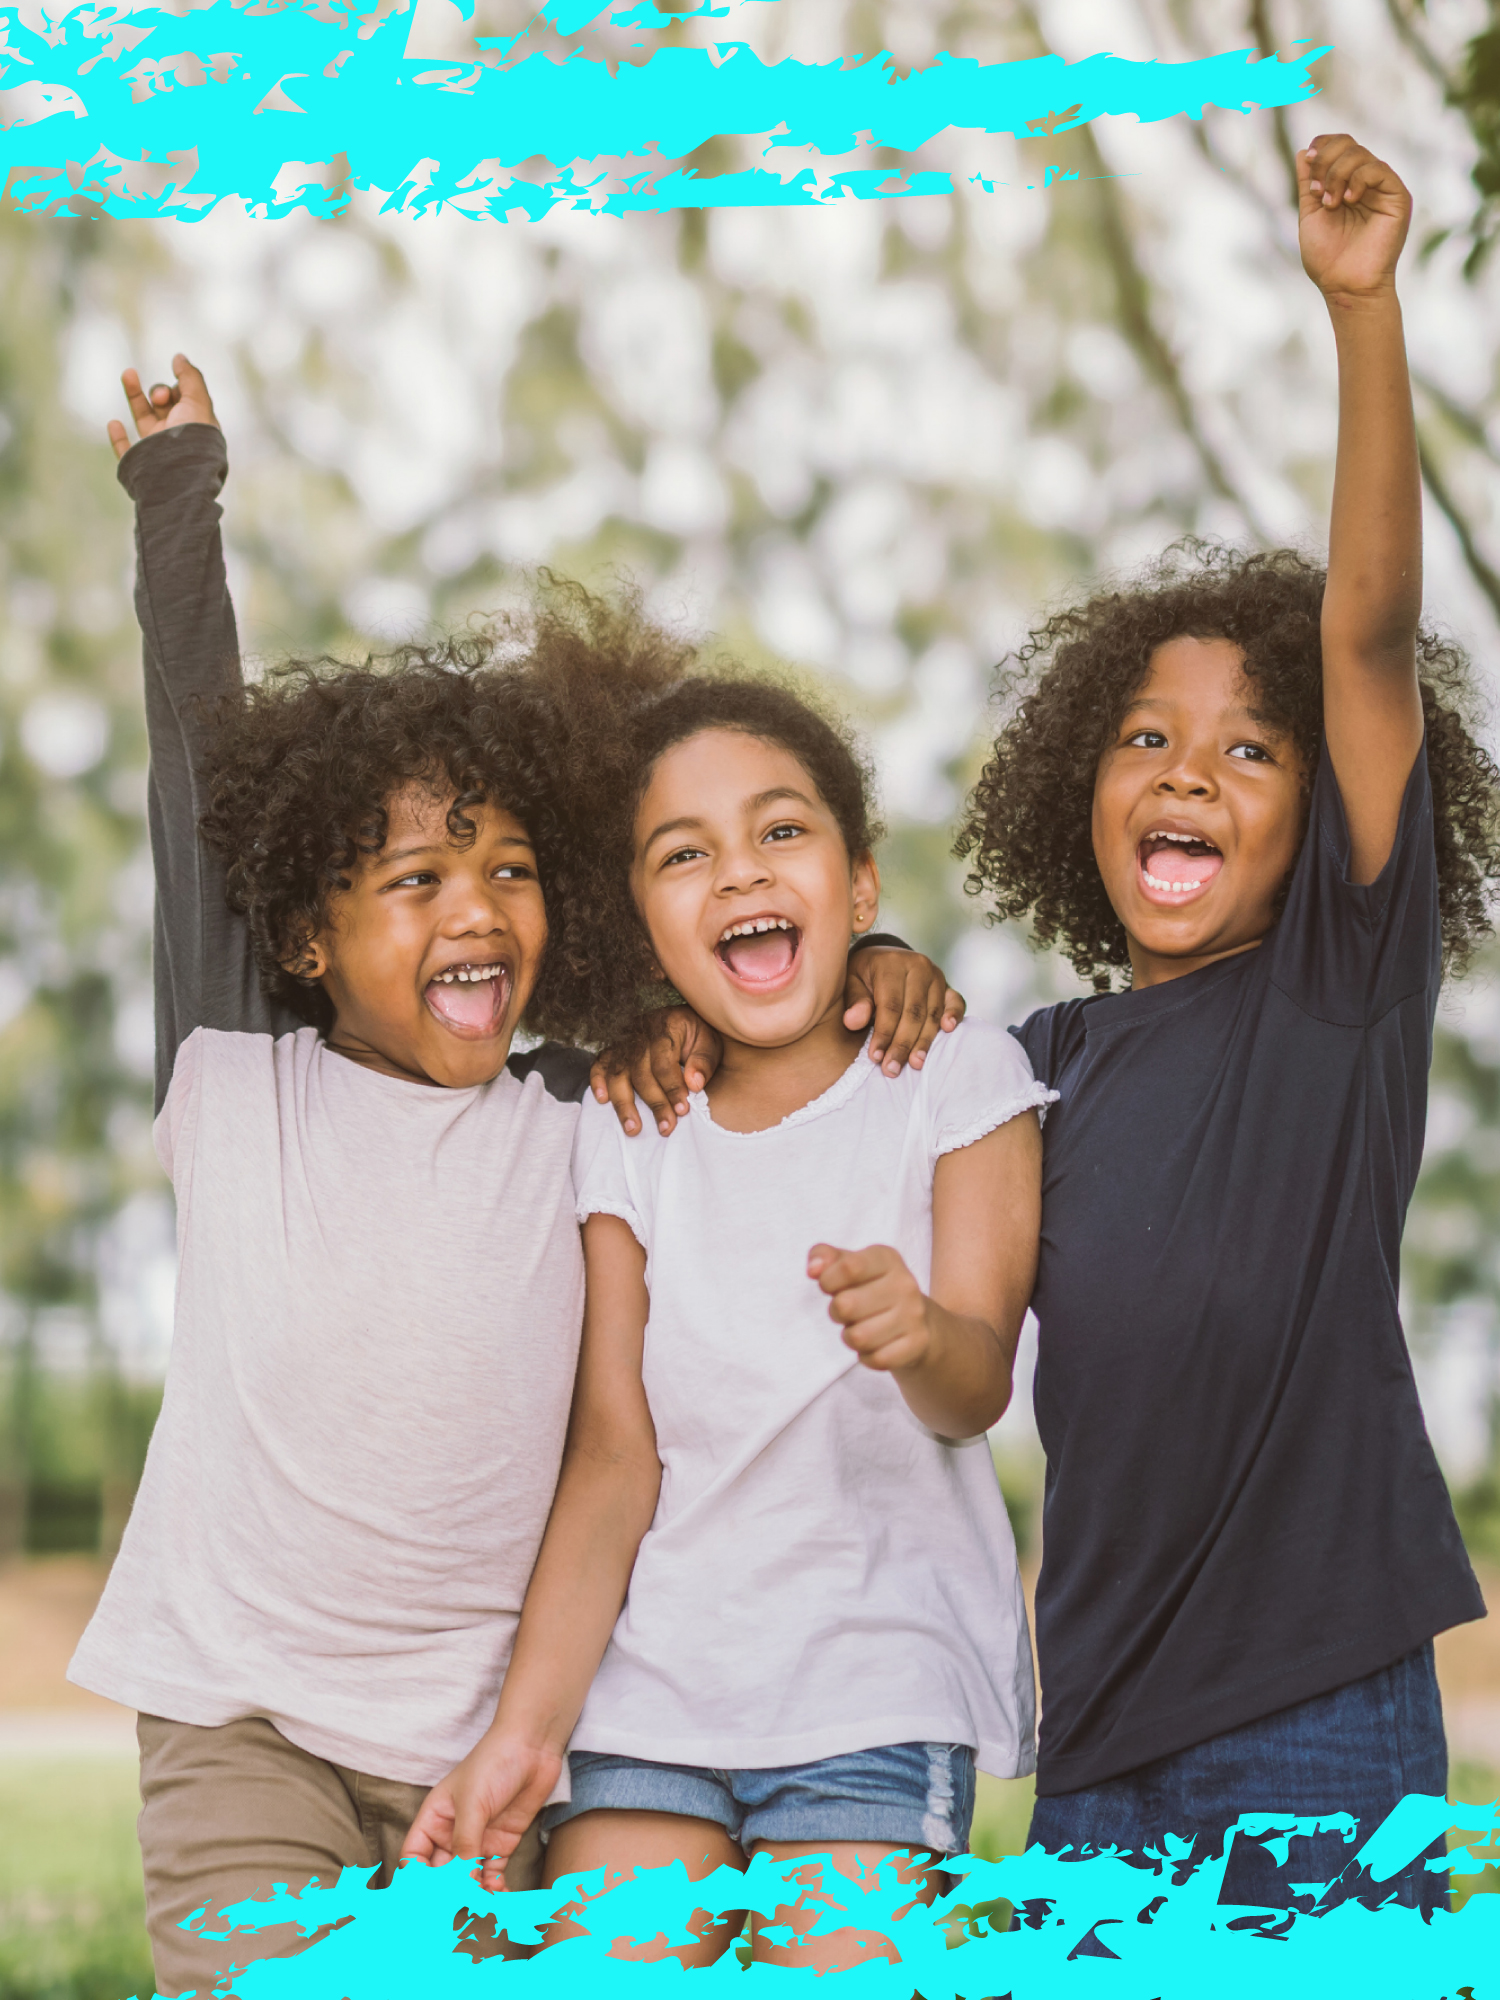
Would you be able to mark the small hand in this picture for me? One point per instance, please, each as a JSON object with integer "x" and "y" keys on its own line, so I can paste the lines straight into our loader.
{"x": 877, "y": 1301}
{"x": 909, "y": 999}
{"x": 483, "y": 1806}
{"x": 1353, "y": 214}
{"x": 186, "y": 402}
{"x": 682, "y": 1055}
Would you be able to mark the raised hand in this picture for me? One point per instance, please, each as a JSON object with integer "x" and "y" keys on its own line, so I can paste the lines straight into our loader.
{"x": 187, "y": 401}
{"x": 483, "y": 1806}
{"x": 1353, "y": 214}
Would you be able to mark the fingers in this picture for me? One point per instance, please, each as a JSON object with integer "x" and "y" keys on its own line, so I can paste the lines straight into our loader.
{"x": 118, "y": 436}
{"x": 141, "y": 406}
{"x": 703, "y": 1054}
{"x": 911, "y": 1034}
{"x": 837, "y": 1269}
{"x": 1340, "y": 172}
{"x": 429, "y": 1838}
{"x": 191, "y": 386}
{"x": 613, "y": 1086}
{"x": 660, "y": 1084}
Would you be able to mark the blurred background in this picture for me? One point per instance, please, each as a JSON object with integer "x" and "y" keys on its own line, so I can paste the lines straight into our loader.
{"x": 876, "y": 439}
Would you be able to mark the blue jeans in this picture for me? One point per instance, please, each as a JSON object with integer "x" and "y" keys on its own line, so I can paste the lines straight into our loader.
{"x": 1358, "y": 1750}
{"x": 918, "y": 1795}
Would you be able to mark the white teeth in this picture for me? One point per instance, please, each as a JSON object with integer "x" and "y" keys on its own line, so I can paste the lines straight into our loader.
{"x": 1171, "y": 888}
{"x": 755, "y": 925}
{"x": 467, "y": 974}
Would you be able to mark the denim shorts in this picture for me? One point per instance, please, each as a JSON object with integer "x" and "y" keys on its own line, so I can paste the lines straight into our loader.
{"x": 1357, "y": 1750}
{"x": 918, "y": 1795}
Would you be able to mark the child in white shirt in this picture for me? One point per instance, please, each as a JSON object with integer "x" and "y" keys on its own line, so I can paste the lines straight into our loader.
{"x": 824, "y": 1628}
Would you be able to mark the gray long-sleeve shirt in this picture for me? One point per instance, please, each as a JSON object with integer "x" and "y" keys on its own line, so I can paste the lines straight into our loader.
{"x": 203, "y": 966}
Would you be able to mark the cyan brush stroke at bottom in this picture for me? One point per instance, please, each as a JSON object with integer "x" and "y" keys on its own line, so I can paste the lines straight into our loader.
{"x": 1091, "y": 1925}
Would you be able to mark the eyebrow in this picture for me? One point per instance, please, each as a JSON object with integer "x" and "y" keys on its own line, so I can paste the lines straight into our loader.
{"x": 441, "y": 846}
{"x": 693, "y": 821}
{"x": 1158, "y": 701}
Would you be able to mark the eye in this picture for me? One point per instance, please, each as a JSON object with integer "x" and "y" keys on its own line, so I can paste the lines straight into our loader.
{"x": 417, "y": 880}
{"x": 1252, "y": 753}
{"x": 683, "y": 854}
{"x": 515, "y": 871}
{"x": 784, "y": 830}
{"x": 1145, "y": 739}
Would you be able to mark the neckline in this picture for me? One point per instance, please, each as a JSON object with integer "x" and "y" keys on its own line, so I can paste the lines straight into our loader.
{"x": 834, "y": 1098}
{"x": 1136, "y": 1002}
{"x": 408, "y": 1085}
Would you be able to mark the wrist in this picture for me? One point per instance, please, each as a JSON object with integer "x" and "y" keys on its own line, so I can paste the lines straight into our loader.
{"x": 1380, "y": 303}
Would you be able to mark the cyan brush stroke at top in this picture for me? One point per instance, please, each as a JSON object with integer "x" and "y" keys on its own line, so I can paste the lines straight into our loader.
{"x": 120, "y": 110}
{"x": 1099, "y": 1926}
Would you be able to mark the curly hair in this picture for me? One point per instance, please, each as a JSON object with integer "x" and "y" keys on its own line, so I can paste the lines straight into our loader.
{"x": 619, "y": 718}
{"x": 1027, "y": 825}
{"x": 300, "y": 769}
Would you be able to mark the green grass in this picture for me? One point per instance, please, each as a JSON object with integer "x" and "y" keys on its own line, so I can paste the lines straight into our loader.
{"x": 71, "y": 1912}
{"x": 70, "y": 1885}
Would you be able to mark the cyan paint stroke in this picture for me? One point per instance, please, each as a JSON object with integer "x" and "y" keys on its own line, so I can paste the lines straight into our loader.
{"x": 1098, "y": 1926}
{"x": 111, "y": 107}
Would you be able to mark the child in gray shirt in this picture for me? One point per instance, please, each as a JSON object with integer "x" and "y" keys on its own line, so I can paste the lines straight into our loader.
{"x": 380, "y": 1285}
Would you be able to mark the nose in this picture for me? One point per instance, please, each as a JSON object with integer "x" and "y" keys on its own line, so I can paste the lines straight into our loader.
{"x": 474, "y": 908}
{"x": 741, "y": 868}
{"x": 1188, "y": 775}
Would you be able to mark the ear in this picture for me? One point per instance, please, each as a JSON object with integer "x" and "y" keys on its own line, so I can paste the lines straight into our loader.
{"x": 308, "y": 960}
{"x": 866, "y": 885}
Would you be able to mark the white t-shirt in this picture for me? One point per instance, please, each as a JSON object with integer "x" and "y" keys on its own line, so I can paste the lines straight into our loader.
{"x": 823, "y": 1574}
{"x": 379, "y": 1298}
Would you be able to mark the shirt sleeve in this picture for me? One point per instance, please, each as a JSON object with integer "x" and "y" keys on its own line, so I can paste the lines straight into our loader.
{"x": 979, "y": 1078}
{"x": 176, "y": 1122}
{"x": 203, "y": 967}
{"x": 1347, "y": 952}
{"x": 603, "y": 1183}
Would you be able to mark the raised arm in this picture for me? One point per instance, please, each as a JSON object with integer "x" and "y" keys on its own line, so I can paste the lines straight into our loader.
{"x": 1353, "y": 217}
{"x": 204, "y": 972}
{"x": 606, "y": 1496}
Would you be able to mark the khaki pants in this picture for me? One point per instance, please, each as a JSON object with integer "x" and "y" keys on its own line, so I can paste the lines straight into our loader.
{"x": 228, "y": 1813}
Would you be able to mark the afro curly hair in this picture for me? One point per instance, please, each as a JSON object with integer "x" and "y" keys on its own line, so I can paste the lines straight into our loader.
{"x": 1027, "y": 825}
{"x": 300, "y": 768}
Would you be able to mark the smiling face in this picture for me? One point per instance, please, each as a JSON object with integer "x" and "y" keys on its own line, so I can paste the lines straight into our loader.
{"x": 1198, "y": 812}
{"x": 430, "y": 956}
{"x": 747, "y": 889}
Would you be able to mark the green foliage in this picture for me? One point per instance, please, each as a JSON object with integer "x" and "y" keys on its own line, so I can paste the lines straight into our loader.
{"x": 72, "y": 1916}
{"x": 1476, "y": 93}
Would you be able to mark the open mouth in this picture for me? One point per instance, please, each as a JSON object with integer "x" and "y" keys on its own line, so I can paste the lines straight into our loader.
{"x": 1177, "y": 866}
{"x": 471, "y": 1000}
{"x": 760, "y": 951}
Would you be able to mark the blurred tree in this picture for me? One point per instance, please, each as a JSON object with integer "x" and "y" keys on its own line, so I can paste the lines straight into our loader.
{"x": 873, "y": 439}
{"x": 74, "y": 1093}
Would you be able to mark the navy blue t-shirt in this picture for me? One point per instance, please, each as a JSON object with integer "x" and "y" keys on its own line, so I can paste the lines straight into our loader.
{"x": 1242, "y": 1506}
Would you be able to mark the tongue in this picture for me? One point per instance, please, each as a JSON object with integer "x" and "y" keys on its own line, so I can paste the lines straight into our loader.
{"x": 764, "y": 955}
{"x": 476, "y": 1006}
{"x": 1170, "y": 863}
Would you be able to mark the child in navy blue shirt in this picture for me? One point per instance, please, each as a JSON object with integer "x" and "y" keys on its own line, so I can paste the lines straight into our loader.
{"x": 1251, "y": 784}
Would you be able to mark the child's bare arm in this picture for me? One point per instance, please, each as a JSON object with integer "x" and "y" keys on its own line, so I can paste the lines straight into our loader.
{"x": 952, "y": 1351}
{"x": 606, "y": 1496}
{"x": 1354, "y": 214}
{"x": 204, "y": 969}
